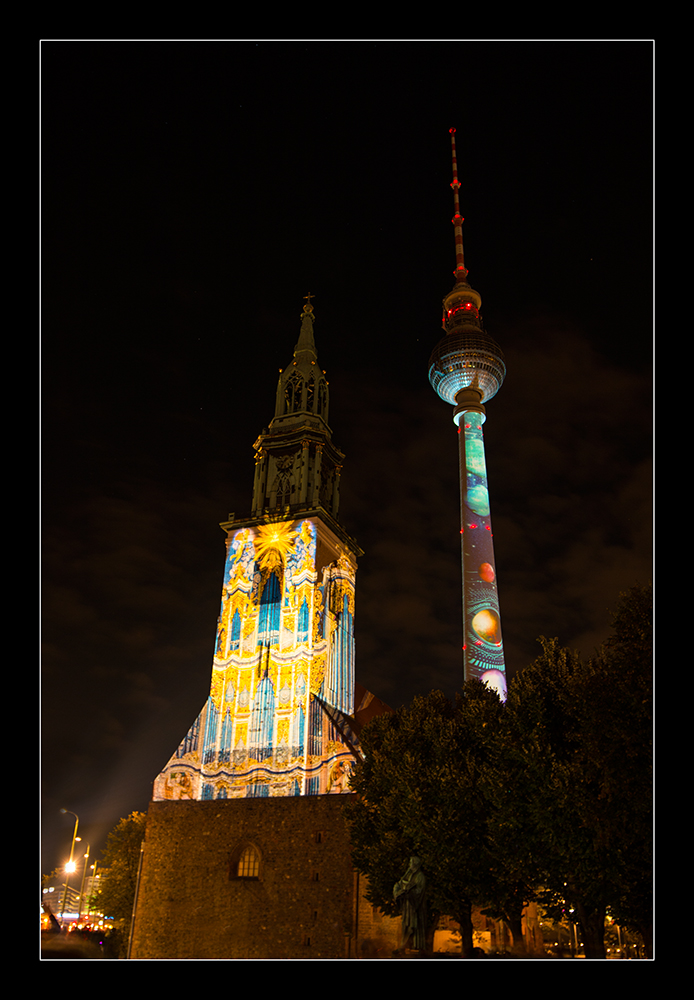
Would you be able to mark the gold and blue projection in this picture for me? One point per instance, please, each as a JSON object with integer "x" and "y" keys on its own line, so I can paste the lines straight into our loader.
{"x": 283, "y": 672}
{"x": 279, "y": 719}
{"x": 467, "y": 368}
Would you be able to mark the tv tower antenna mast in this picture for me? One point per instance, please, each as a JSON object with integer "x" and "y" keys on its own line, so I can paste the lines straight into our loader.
{"x": 467, "y": 369}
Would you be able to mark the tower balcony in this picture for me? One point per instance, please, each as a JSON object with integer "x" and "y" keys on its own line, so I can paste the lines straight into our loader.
{"x": 466, "y": 359}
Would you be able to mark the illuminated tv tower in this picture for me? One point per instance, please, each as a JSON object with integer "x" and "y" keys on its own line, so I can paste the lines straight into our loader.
{"x": 466, "y": 369}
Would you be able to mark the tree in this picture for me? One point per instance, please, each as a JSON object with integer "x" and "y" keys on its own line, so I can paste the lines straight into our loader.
{"x": 421, "y": 792}
{"x": 542, "y": 729}
{"x": 121, "y": 861}
{"x": 616, "y": 739}
{"x": 579, "y": 736}
{"x": 548, "y": 797}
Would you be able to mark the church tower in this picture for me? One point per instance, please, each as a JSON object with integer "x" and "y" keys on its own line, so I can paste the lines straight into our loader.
{"x": 467, "y": 369}
{"x": 279, "y": 719}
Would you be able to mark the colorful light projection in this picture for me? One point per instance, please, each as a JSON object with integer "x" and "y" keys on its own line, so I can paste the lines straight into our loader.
{"x": 283, "y": 671}
{"x": 483, "y": 646}
{"x": 466, "y": 369}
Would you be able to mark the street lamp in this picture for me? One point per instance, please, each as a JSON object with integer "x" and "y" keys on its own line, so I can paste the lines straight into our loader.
{"x": 93, "y": 883}
{"x": 84, "y": 872}
{"x": 70, "y": 866}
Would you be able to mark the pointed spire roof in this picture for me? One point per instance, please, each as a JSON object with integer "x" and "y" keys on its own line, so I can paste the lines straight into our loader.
{"x": 305, "y": 347}
{"x": 302, "y": 390}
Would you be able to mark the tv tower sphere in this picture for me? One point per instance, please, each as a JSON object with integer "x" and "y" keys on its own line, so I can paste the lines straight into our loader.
{"x": 466, "y": 368}
{"x": 466, "y": 358}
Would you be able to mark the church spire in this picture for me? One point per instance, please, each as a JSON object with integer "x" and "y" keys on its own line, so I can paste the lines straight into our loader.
{"x": 302, "y": 388}
{"x": 297, "y": 465}
{"x": 305, "y": 346}
{"x": 282, "y": 690}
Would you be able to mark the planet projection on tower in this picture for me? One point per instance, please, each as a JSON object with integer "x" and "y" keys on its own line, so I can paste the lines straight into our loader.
{"x": 467, "y": 369}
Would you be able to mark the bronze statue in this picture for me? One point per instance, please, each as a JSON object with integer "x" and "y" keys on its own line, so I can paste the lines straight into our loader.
{"x": 410, "y": 893}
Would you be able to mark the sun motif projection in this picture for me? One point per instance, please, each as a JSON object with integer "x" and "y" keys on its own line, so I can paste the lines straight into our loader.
{"x": 482, "y": 623}
{"x": 273, "y": 543}
{"x": 283, "y": 671}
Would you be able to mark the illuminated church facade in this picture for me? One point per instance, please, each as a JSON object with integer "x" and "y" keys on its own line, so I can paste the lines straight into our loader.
{"x": 248, "y": 814}
{"x": 280, "y": 716}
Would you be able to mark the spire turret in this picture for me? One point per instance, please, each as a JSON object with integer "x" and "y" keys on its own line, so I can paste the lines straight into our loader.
{"x": 297, "y": 465}
{"x": 305, "y": 347}
{"x": 302, "y": 389}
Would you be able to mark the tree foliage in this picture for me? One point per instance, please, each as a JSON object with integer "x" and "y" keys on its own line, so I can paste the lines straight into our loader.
{"x": 547, "y": 797}
{"x": 543, "y": 733}
{"x": 617, "y": 746}
{"x": 421, "y": 793}
{"x": 121, "y": 861}
{"x": 578, "y": 734}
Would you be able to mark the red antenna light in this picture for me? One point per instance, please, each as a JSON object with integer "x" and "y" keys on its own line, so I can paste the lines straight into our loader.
{"x": 460, "y": 271}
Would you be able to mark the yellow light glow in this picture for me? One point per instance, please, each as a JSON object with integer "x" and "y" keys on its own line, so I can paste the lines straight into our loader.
{"x": 273, "y": 543}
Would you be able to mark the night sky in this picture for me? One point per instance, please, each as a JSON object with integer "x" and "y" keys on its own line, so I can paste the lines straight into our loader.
{"x": 192, "y": 195}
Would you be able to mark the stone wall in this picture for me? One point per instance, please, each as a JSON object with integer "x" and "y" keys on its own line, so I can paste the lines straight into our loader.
{"x": 305, "y": 902}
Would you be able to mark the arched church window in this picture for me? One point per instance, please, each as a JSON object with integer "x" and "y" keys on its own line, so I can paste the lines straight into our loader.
{"x": 315, "y": 730}
{"x": 244, "y": 862}
{"x": 262, "y": 721}
{"x": 224, "y": 755}
{"x": 210, "y": 737}
{"x": 269, "y": 617}
{"x": 249, "y": 863}
{"x": 190, "y": 743}
{"x": 283, "y": 491}
{"x": 310, "y": 389}
{"x": 322, "y": 398}
{"x": 302, "y": 628}
{"x": 235, "y": 631}
{"x": 293, "y": 391}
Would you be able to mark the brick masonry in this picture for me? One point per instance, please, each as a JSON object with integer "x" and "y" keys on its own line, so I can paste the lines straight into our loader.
{"x": 307, "y": 901}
